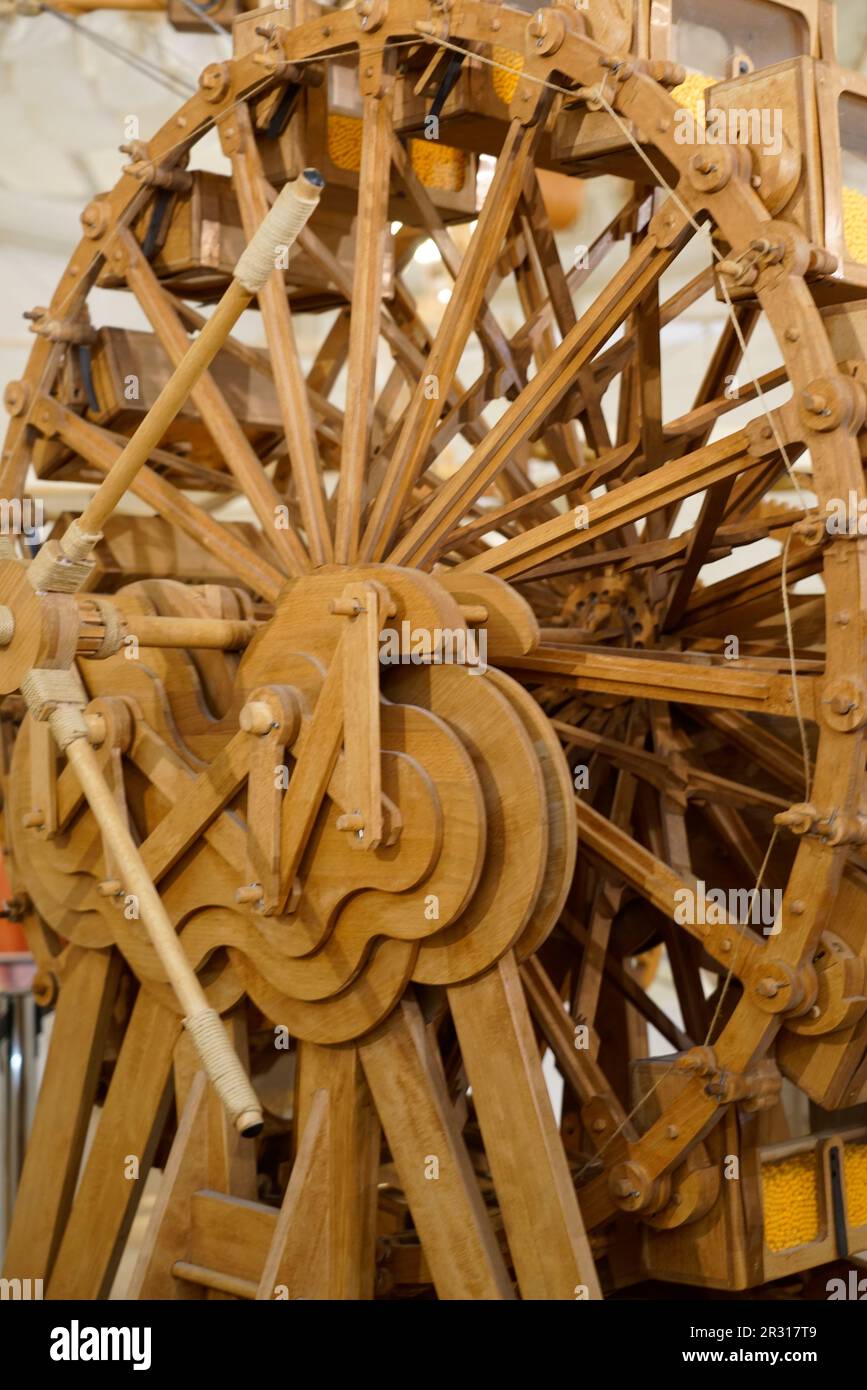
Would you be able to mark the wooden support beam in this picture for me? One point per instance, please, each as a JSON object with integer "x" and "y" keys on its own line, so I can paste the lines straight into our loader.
{"x": 297, "y": 1262}
{"x": 129, "y": 1129}
{"x": 352, "y": 1167}
{"x": 406, "y": 1080}
{"x": 531, "y": 1176}
{"x": 87, "y": 998}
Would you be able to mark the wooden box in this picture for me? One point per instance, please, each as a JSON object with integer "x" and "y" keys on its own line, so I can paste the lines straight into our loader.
{"x": 722, "y": 1249}
{"x": 814, "y": 1194}
{"x": 476, "y": 114}
{"x": 841, "y": 99}
{"x": 720, "y": 41}
{"x": 323, "y": 130}
{"x": 197, "y": 238}
{"x": 726, "y": 39}
{"x": 129, "y": 369}
{"x": 824, "y": 121}
{"x": 781, "y": 1208}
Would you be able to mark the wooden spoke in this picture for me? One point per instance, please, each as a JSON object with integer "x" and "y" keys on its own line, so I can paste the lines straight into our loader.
{"x": 526, "y": 412}
{"x": 371, "y": 228}
{"x": 642, "y": 676}
{"x": 286, "y": 368}
{"x": 462, "y": 310}
{"x": 100, "y": 450}
{"x": 216, "y": 412}
{"x": 644, "y": 495}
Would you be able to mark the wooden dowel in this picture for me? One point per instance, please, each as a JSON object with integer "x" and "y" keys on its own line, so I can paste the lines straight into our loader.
{"x": 216, "y": 634}
{"x": 214, "y": 1279}
{"x": 218, "y": 1057}
{"x": 293, "y": 207}
{"x": 165, "y": 408}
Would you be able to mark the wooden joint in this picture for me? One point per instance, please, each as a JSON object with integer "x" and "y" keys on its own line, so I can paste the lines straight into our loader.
{"x": 713, "y": 169}
{"x": 547, "y": 30}
{"x": 370, "y": 15}
{"x": 844, "y": 704}
{"x": 831, "y": 403}
{"x": 780, "y": 988}
{"x": 635, "y": 1190}
{"x": 215, "y": 81}
{"x": 77, "y": 330}
{"x": 272, "y": 709}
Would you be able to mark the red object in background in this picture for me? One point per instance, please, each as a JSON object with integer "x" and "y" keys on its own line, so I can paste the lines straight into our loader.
{"x": 12, "y": 936}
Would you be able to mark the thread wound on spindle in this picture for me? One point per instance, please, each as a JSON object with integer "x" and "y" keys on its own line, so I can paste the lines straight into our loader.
{"x": 279, "y": 229}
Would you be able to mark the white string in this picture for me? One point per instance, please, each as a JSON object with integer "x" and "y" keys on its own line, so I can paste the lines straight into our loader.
{"x": 176, "y": 85}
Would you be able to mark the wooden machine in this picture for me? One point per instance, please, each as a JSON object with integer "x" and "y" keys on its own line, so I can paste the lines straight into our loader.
{"x": 328, "y": 826}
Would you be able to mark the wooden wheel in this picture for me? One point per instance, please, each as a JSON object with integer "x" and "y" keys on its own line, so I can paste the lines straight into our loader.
{"x": 462, "y": 720}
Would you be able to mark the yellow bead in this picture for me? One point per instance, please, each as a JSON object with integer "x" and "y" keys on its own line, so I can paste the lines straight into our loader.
{"x": 855, "y": 223}
{"x": 790, "y": 1193}
{"x": 437, "y": 166}
{"x": 691, "y": 92}
{"x": 855, "y": 1171}
{"x": 505, "y": 83}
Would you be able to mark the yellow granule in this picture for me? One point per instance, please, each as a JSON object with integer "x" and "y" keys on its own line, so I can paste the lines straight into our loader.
{"x": 790, "y": 1192}
{"x": 855, "y": 224}
{"x": 505, "y": 83}
{"x": 691, "y": 92}
{"x": 855, "y": 1170}
{"x": 437, "y": 166}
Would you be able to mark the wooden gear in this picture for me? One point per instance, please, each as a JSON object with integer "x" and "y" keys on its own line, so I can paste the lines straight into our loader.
{"x": 418, "y": 871}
